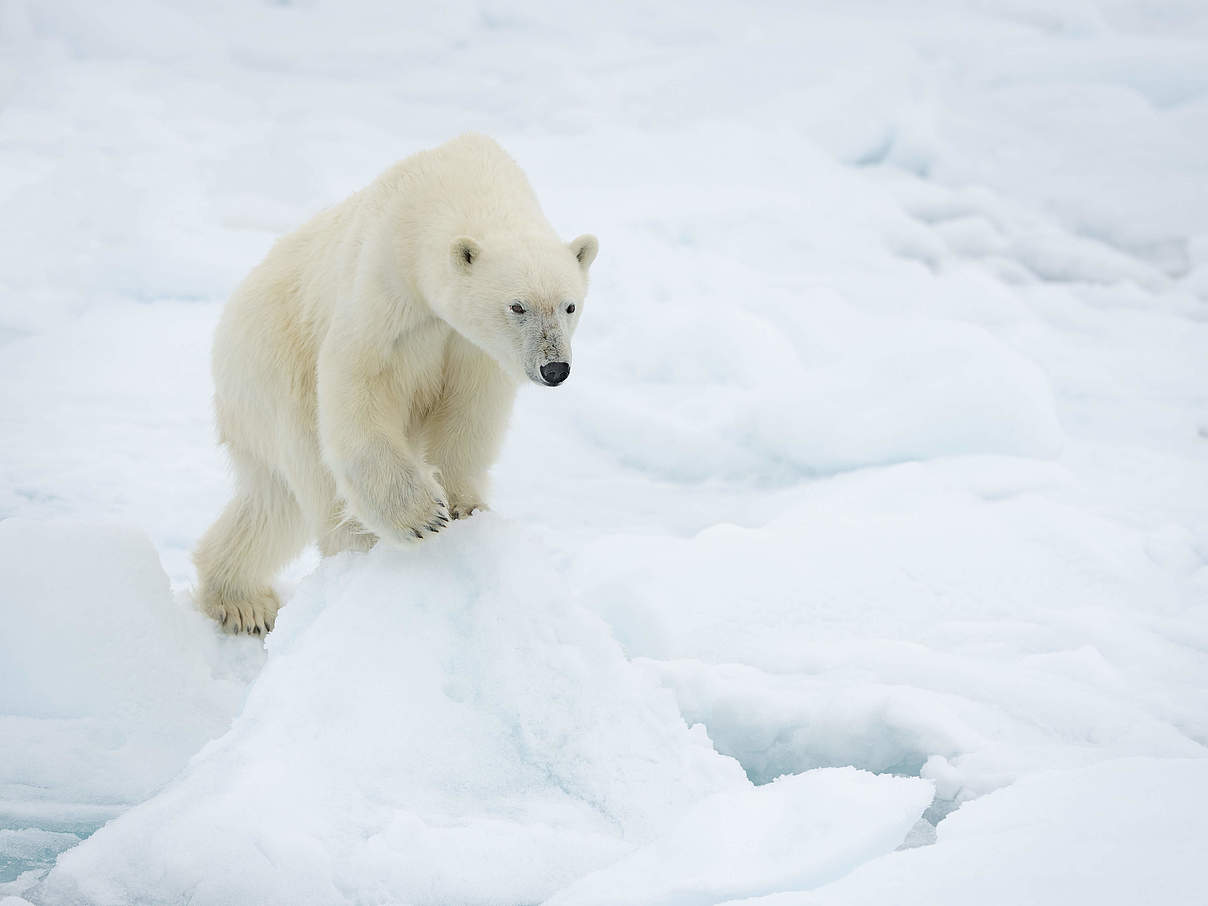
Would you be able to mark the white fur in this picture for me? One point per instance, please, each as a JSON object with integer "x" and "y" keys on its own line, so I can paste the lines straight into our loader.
{"x": 365, "y": 370}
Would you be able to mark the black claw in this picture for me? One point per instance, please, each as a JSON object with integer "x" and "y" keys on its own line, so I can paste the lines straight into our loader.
{"x": 417, "y": 533}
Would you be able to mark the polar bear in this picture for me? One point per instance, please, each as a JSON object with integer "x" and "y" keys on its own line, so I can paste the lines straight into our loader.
{"x": 365, "y": 370}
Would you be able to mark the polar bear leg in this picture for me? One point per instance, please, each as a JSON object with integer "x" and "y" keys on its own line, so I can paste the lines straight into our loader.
{"x": 259, "y": 532}
{"x": 379, "y": 471}
{"x": 314, "y": 488}
{"x": 344, "y": 533}
{"x": 464, "y": 431}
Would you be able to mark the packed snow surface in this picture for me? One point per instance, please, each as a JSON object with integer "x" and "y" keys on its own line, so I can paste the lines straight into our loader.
{"x": 862, "y": 559}
{"x": 1049, "y": 840}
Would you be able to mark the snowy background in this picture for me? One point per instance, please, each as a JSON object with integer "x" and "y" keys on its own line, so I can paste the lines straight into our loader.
{"x": 863, "y": 559}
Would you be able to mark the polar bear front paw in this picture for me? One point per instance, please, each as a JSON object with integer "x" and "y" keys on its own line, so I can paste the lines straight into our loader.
{"x": 426, "y": 518}
{"x": 405, "y": 509}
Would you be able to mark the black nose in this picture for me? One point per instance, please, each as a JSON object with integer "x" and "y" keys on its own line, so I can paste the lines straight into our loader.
{"x": 555, "y": 372}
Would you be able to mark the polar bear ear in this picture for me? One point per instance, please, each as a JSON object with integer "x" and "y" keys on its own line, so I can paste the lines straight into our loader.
{"x": 464, "y": 252}
{"x": 584, "y": 249}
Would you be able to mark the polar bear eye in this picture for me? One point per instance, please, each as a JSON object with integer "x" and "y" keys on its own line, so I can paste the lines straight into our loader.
{"x": 570, "y": 309}
{"x": 518, "y": 308}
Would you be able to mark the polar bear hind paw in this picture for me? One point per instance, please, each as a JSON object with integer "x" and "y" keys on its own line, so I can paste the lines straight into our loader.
{"x": 253, "y": 613}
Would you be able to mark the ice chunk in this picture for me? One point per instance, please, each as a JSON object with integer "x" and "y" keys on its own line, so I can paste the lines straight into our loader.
{"x": 107, "y": 684}
{"x": 1115, "y": 834}
{"x": 797, "y": 832}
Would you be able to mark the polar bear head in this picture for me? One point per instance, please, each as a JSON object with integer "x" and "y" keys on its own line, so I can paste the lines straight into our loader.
{"x": 518, "y": 298}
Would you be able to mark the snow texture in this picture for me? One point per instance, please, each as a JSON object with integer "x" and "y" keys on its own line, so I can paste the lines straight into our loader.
{"x": 874, "y": 517}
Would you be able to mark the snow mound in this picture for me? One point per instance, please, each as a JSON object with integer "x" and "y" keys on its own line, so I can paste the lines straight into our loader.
{"x": 1051, "y": 838}
{"x": 442, "y": 725}
{"x": 107, "y": 686}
